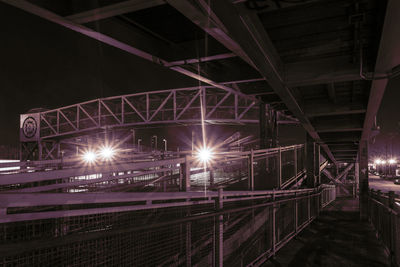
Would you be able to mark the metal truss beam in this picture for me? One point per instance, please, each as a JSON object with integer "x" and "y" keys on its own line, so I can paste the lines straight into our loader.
{"x": 113, "y": 10}
{"x": 246, "y": 40}
{"x": 388, "y": 58}
{"x": 157, "y": 107}
{"x": 334, "y": 180}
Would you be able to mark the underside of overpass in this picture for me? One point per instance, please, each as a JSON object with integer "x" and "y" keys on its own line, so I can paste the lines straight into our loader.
{"x": 324, "y": 64}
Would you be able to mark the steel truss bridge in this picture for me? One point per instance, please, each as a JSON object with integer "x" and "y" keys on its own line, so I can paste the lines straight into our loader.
{"x": 164, "y": 107}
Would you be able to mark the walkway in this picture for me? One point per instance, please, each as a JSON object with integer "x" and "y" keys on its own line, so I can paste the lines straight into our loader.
{"x": 336, "y": 238}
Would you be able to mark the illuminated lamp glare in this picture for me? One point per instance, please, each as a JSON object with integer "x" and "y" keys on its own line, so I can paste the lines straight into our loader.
{"x": 204, "y": 154}
{"x": 392, "y": 161}
{"x": 107, "y": 153}
{"x": 383, "y": 162}
{"x": 378, "y": 161}
{"x": 89, "y": 157}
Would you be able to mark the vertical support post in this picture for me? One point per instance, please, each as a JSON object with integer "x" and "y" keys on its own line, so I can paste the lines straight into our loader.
{"x": 133, "y": 138}
{"x": 363, "y": 176}
{"x": 309, "y": 207}
{"x": 280, "y": 168}
{"x": 273, "y": 224}
{"x": 392, "y": 228}
{"x": 262, "y": 125}
{"x": 211, "y": 177}
{"x": 296, "y": 213}
{"x": 295, "y": 163}
{"x": 251, "y": 170}
{"x": 40, "y": 148}
{"x": 310, "y": 162}
{"x": 219, "y": 232}
{"x": 357, "y": 175}
{"x": 185, "y": 175}
{"x": 316, "y": 164}
{"x": 188, "y": 244}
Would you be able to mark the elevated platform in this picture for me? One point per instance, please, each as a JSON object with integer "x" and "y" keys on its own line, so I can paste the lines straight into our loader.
{"x": 336, "y": 238}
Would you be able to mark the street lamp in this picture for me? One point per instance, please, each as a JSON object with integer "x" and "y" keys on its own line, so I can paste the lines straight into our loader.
{"x": 165, "y": 144}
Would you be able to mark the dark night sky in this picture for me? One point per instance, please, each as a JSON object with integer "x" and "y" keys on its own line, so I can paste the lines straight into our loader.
{"x": 46, "y": 65}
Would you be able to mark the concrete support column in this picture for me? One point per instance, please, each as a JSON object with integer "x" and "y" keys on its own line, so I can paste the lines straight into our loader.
{"x": 363, "y": 178}
{"x": 310, "y": 162}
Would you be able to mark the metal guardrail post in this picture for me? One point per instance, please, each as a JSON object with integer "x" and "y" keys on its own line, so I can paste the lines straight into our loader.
{"x": 251, "y": 170}
{"x": 392, "y": 228}
{"x": 295, "y": 163}
{"x": 188, "y": 244}
{"x": 280, "y": 167}
{"x": 219, "y": 232}
{"x": 309, "y": 206}
{"x": 296, "y": 213}
{"x": 273, "y": 225}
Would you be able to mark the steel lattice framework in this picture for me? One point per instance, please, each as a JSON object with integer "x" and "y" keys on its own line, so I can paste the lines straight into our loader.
{"x": 157, "y": 107}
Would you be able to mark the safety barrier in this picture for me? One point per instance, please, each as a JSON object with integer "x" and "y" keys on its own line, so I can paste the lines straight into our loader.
{"x": 384, "y": 214}
{"x": 154, "y": 229}
{"x": 170, "y": 171}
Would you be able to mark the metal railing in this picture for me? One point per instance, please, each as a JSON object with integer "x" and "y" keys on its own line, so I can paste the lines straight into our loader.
{"x": 384, "y": 214}
{"x": 169, "y": 171}
{"x": 154, "y": 229}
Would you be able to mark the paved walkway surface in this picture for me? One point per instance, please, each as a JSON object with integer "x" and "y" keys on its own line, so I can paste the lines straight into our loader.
{"x": 336, "y": 238}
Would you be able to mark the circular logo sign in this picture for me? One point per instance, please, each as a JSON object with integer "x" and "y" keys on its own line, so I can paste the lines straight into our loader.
{"x": 29, "y": 127}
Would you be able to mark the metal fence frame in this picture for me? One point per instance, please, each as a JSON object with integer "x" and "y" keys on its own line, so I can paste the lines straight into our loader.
{"x": 384, "y": 215}
{"x": 301, "y": 205}
{"x": 156, "y": 167}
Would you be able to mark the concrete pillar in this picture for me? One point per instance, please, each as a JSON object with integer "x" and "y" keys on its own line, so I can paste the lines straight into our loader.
{"x": 310, "y": 162}
{"x": 363, "y": 178}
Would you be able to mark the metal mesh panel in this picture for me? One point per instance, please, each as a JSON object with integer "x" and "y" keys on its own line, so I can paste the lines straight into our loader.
{"x": 385, "y": 217}
{"x": 285, "y": 220}
{"x": 174, "y": 236}
{"x": 288, "y": 165}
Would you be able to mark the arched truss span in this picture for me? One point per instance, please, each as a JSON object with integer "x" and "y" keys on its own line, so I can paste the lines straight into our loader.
{"x": 156, "y": 107}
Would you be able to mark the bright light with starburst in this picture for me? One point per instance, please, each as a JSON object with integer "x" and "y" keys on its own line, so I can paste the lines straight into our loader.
{"x": 107, "y": 153}
{"x": 89, "y": 156}
{"x": 204, "y": 154}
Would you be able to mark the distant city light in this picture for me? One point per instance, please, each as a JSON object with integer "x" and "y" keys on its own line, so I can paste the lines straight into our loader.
{"x": 392, "y": 161}
{"x": 107, "y": 153}
{"x": 378, "y": 161}
{"x": 89, "y": 156}
{"x": 383, "y": 162}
